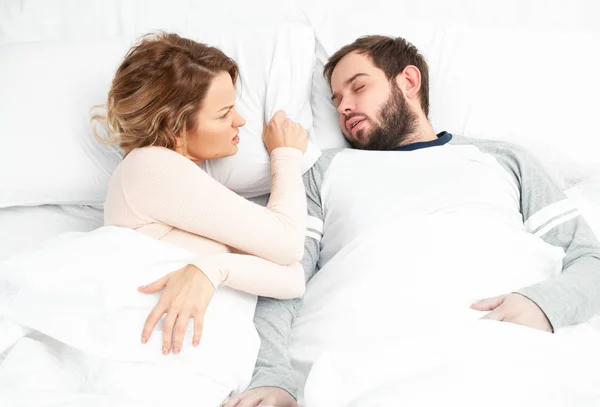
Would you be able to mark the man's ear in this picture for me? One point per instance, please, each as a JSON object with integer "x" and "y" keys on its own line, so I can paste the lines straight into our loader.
{"x": 409, "y": 82}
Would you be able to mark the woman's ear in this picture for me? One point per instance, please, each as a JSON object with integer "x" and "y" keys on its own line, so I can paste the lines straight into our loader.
{"x": 181, "y": 143}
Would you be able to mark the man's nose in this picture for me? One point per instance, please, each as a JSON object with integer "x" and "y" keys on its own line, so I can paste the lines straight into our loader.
{"x": 346, "y": 106}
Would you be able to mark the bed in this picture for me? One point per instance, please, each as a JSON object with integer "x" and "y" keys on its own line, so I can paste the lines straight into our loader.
{"x": 517, "y": 71}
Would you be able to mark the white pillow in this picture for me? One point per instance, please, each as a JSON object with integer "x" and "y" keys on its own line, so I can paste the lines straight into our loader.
{"x": 492, "y": 75}
{"x": 287, "y": 76}
{"x": 47, "y": 89}
{"x": 60, "y": 20}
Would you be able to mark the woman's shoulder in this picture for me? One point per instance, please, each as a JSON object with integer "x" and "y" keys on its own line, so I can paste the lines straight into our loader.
{"x": 154, "y": 159}
{"x": 157, "y": 163}
{"x": 151, "y": 153}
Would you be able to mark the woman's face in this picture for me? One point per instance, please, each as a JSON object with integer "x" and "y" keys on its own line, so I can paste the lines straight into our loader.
{"x": 218, "y": 123}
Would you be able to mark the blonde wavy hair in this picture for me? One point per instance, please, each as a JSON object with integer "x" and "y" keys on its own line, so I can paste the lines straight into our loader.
{"x": 157, "y": 91}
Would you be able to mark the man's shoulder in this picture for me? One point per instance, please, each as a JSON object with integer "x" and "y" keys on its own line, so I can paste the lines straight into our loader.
{"x": 314, "y": 177}
{"x": 327, "y": 156}
{"x": 502, "y": 150}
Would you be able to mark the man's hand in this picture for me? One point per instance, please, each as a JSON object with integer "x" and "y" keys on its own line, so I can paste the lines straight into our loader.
{"x": 262, "y": 397}
{"x": 514, "y": 308}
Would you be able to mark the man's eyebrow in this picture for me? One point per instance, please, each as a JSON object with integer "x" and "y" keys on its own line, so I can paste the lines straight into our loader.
{"x": 348, "y": 82}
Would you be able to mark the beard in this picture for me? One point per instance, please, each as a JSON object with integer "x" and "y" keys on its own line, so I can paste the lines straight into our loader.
{"x": 397, "y": 123}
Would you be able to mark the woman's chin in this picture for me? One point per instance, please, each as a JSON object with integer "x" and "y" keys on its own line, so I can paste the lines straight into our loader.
{"x": 231, "y": 151}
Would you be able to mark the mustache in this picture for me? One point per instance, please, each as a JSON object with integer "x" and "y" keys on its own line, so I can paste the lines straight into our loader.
{"x": 352, "y": 115}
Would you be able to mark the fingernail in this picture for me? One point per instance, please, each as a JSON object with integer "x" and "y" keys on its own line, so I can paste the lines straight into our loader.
{"x": 165, "y": 351}
{"x": 195, "y": 343}
{"x": 176, "y": 351}
{"x": 144, "y": 340}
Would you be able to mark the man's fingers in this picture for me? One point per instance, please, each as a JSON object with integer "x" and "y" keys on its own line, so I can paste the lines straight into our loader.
{"x": 180, "y": 328}
{"x": 168, "y": 325}
{"x": 151, "y": 321}
{"x": 488, "y": 304}
{"x": 246, "y": 399}
{"x": 232, "y": 402}
{"x": 243, "y": 400}
{"x": 270, "y": 402}
{"x": 155, "y": 286}
{"x": 250, "y": 401}
{"x": 495, "y": 315}
{"x": 273, "y": 400}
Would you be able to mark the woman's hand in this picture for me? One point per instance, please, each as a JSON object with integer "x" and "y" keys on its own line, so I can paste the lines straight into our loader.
{"x": 284, "y": 132}
{"x": 186, "y": 295}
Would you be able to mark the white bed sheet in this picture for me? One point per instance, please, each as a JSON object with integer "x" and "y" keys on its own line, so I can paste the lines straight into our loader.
{"x": 23, "y": 227}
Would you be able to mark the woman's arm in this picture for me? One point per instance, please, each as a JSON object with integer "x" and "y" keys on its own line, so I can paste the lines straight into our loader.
{"x": 253, "y": 275}
{"x": 160, "y": 185}
{"x": 188, "y": 291}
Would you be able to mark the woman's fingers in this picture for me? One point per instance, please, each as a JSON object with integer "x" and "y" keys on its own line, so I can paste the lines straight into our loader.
{"x": 186, "y": 295}
{"x": 168, "y": 325}
{"x": 156, "y": 286}
{"x": 198, "y": 325}
{"x": 180, "y": 328}
{"x": 157, "y": 312}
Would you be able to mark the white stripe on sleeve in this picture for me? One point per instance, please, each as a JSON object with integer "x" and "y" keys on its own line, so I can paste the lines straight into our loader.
{"x": 548, "y": 213}
{"x": 556, "y": 222}
{"x": 315, "y": 224}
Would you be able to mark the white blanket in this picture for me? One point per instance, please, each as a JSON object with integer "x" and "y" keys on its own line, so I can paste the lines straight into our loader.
{"x": 71, "y": 320}
{"x": 487, "y": 363}
{"x": 387, "y": 321}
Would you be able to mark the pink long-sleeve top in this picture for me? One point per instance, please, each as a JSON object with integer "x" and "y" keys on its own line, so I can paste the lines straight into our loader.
{"x": 240, "y": 244}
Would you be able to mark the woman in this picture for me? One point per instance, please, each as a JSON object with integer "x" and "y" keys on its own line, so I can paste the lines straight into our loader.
{"x": 171, "y": 106}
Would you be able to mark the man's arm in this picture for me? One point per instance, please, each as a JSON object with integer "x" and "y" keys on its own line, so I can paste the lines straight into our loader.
{"x": 274, "y": 318}
{"x": 574, "y": 295}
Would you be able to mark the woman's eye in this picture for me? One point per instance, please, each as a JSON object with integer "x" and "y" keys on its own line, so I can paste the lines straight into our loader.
{"x": 226, "y": 114}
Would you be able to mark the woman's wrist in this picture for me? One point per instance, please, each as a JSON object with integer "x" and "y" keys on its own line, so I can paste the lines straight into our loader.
{"x": 211, "y": 274}
{"x": 286, "y": 151}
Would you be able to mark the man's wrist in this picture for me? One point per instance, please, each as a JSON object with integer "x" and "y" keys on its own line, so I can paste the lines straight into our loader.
{"x": 287, "y": 382}
{"x": 539, "y": 307}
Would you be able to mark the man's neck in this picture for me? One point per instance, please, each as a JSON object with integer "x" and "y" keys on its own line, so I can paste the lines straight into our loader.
{"x": 423, "y": 133}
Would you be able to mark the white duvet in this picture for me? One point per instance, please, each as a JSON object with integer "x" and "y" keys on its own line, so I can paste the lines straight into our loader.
{"x": 488, "y": 363}
{"x": 71, "y": 320}
{"x": 387, "y": 322}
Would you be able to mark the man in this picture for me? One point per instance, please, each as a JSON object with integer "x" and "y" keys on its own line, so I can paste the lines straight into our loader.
{"x": 380, "y": 87}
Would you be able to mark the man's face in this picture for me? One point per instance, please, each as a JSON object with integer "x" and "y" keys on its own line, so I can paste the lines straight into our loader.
{"x": 373, "y": 112}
